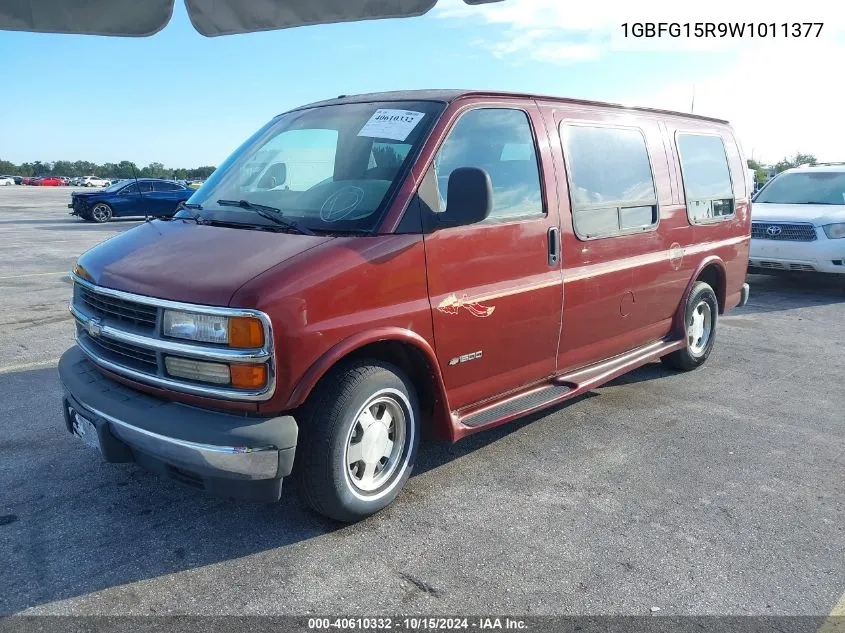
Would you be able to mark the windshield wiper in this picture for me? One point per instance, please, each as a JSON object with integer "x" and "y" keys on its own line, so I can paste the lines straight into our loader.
{"x": 196, "y": 217}
{"x": 268, "y": 213}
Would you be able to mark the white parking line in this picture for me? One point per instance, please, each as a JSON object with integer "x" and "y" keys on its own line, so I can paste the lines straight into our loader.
{"x": 25, "y": 366}
{"x": 835, "y": 623}
{"x": 61, "y": 272}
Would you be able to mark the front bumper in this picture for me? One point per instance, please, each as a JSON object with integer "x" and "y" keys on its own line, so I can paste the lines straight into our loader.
{"x": 821, "y": 255}
{"x": 224, "y": 454}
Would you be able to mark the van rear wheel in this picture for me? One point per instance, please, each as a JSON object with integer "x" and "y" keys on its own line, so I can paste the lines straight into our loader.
{"x": 700, "y": 317}
{"x": 359, "y": 438}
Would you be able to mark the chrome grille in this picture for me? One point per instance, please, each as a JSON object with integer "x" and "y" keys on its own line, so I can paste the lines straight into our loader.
{"x": 807, "y": 268}
{"x": 104, "y": 306}
{"x": 785, "y": 232}
{"x": 121, "y": 332}
{"x": 126, "y": 354}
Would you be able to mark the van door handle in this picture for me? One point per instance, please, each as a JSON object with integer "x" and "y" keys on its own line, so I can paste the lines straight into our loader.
{"x": 554, "y": 246}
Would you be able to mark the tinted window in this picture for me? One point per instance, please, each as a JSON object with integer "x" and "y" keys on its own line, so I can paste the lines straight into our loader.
{"x": 822, "y": 187}
{"x": 166, "y": 186}
{"x": 611, "y": 183}
{"x": 500, "y": 142}
{"x": 707, "y": 179}
{"x": 146, "y": 186}
{"x": 133, "y": 188}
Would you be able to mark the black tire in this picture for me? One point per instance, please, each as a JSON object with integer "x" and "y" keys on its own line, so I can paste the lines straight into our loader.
{"x": 694, "y": 353}
{"x": 329, "y": 422}
{"x": 102, "y": 217}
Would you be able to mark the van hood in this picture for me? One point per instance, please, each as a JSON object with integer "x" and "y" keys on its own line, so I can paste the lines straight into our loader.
{"x": 183, "y": 261}
{"x": 816, "y": 214}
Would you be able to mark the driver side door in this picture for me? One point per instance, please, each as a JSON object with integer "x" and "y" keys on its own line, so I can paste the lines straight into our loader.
{"x": 495, "y": 287}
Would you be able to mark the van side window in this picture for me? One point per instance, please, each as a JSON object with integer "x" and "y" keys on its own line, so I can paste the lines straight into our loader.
{"x": 610, "y": 180}
{"x": 499, "y": 141}
{"x": 707, "y": 179}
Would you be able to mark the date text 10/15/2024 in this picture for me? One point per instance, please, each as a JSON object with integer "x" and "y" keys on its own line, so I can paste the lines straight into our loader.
{"x": 417, "y": 623}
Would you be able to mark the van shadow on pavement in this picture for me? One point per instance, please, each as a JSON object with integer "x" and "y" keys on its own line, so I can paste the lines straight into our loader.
{"x": 71, "y": 525}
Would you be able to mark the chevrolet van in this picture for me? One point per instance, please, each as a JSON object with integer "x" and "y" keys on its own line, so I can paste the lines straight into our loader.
{"x": 367, "y": 268}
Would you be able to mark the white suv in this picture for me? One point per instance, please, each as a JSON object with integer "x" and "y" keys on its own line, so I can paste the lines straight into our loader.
{"x": 93, "y": 181}
{"x": 798, "y": 221}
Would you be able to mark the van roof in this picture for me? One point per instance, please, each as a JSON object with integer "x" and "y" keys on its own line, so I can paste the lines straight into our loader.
{"x": 447, "y": 96}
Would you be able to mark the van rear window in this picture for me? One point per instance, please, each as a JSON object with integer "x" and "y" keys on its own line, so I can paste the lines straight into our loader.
{"x": 707, "y": 179}
{"x": 610, "y": 180}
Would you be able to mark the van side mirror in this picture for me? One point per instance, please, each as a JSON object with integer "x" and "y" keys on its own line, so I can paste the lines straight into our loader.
{"x": 469, "y": 198}
{"x": 275, "y": 176}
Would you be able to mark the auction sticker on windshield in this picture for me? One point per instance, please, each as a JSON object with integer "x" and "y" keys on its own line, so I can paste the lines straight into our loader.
{"x": 392, "y": 124}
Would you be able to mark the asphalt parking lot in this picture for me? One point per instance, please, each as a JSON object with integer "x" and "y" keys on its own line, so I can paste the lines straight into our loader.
{"x": 721, "y": 491}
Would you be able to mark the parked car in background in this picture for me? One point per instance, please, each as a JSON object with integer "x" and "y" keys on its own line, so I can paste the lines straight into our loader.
{"x": 798, "y": 222}
{"x": 94, "y": 181}
{"x": 5, "y": 181}
{"x": 196, "y": 184}
{"x": 327, "y": 311}
{"x": 18, "y": 180}
{"x": 125, "y": 198}
{"x": 50, "y": 181}
{"x": 26, "y": 180}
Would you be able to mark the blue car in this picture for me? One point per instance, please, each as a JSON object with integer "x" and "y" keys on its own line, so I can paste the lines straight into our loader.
{"x": 125, "y": 198}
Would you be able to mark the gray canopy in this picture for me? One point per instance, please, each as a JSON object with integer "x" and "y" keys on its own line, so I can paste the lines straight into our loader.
{"x": 209, "y": 17}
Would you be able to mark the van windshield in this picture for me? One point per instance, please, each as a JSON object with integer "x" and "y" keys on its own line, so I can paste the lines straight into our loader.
{"x": 331, "y": 168}
{"x": 823, "y": 187}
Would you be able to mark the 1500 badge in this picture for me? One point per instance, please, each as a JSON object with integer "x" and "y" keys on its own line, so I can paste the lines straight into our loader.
{"x": 465, "y": 358}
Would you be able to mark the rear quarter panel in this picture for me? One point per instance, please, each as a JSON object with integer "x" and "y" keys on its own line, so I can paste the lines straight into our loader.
{"x": 724, "y": 242}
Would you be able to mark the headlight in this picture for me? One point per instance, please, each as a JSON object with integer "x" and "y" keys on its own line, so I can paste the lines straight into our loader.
{"x": 240, "y": 376}
{"x": 246, "y": 332}
{"x": 200, "y": 371}
{"x": 835, "y": 231}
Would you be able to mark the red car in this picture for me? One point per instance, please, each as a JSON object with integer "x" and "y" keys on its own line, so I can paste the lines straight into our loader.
{"x": 440, "y": 260}
{"x": 49, "y": 181}
{"x": 27, "y": 180}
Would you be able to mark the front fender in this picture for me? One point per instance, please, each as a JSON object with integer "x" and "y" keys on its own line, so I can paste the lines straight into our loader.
{"x": 346, "y": 347}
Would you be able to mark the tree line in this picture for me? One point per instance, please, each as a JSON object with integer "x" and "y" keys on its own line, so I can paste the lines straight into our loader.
{"x": 763, "y": 172}
{"x": 123, "y": 169}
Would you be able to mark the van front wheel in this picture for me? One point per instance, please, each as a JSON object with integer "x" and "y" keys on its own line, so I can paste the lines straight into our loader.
{"x": 700, "y": 316}
{"x": 359, "y": 434}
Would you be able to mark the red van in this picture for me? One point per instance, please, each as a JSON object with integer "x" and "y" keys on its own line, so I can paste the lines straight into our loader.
{"x": 367, "y": 267}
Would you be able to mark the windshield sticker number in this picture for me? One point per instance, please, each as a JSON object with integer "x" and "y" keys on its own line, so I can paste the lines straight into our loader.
{"x": 393, "y": 124}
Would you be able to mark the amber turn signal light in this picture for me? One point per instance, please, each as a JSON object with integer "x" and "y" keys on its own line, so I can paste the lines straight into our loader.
{"x": 245, "y": 332}
{"x": 248, "y": 376}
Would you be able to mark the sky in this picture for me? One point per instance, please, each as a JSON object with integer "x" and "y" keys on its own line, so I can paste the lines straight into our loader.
{"x": 186, "y": 100}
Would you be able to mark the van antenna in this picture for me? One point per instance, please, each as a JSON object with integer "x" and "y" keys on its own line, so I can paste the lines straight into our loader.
{"x": 692, "y": 105}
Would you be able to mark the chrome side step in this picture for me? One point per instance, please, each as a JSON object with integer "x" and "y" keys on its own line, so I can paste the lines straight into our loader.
{"x": 526, "y": 402}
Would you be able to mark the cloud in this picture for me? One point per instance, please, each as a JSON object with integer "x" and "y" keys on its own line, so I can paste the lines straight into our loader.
{"x": 776, "y": 109}
{"x": 782, "y": 95}
{"x": 539, "y": 30}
